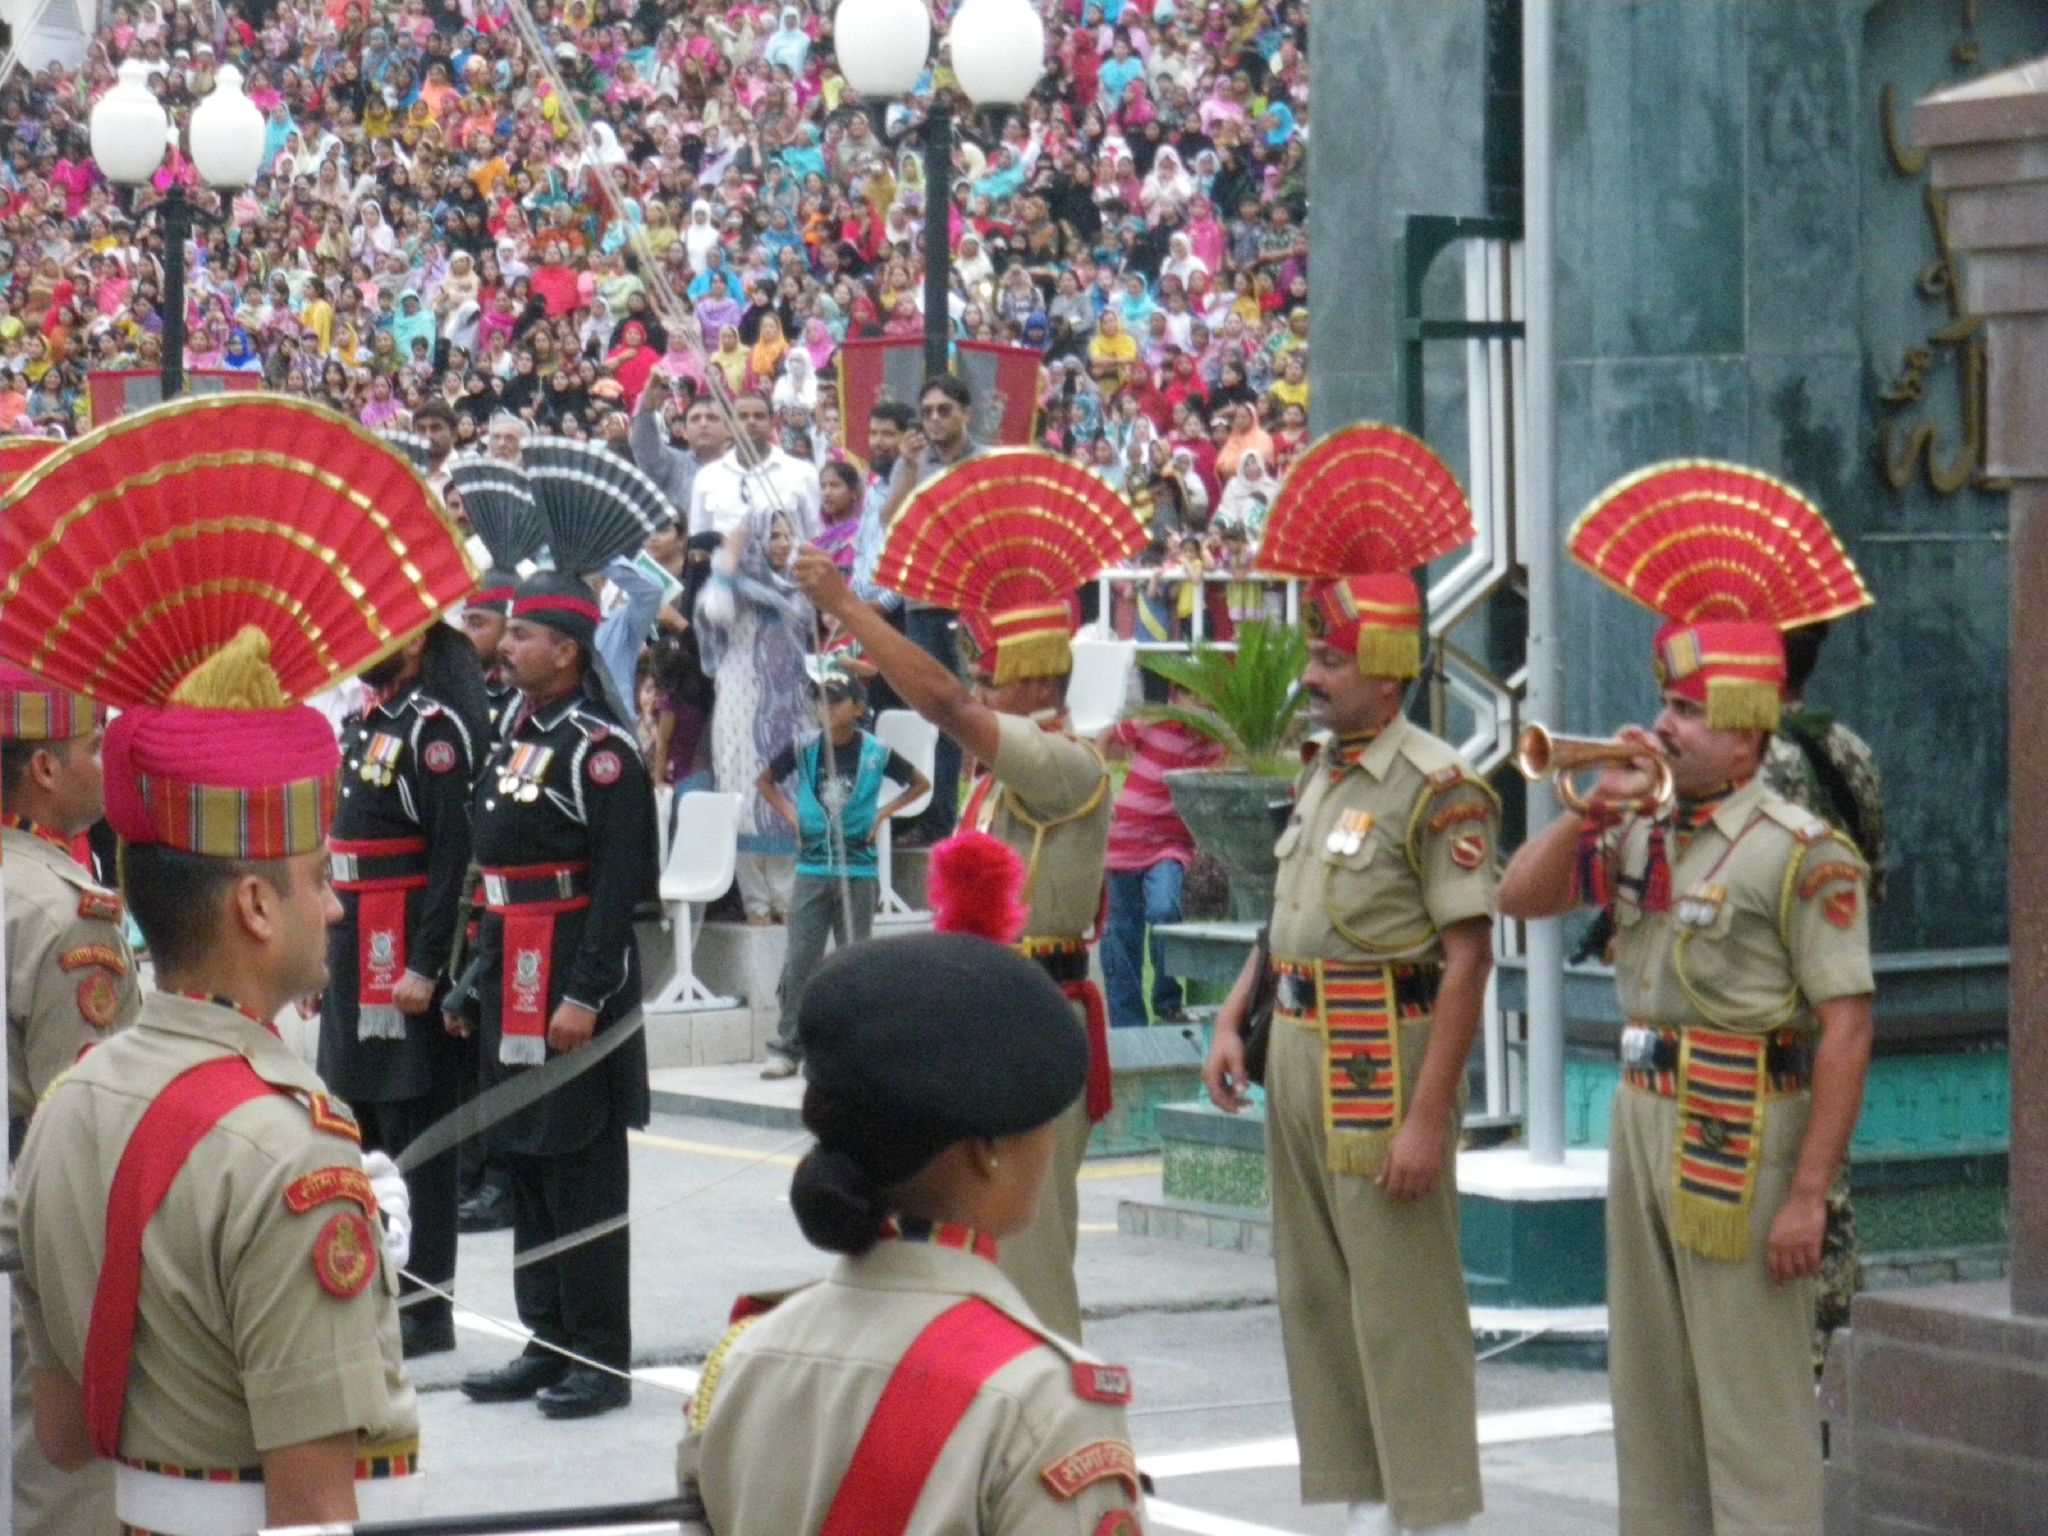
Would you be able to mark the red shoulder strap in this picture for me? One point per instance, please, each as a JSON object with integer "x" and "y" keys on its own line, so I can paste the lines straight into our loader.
{"x": 933, "y": 1386}
{"x": 189, "y": 1106}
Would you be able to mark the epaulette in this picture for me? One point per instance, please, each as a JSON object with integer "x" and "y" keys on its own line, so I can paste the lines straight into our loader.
{"x": 699, "y": 1411}
{"x": 1806, "y": 828}
{"x": 595, "y": 727}
{"x": 1093, "y": 1380}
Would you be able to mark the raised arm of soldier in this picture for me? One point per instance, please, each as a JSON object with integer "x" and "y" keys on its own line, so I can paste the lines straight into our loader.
{"x": 935, "y": 693}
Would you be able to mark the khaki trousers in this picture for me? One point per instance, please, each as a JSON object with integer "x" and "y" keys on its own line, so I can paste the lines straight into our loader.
{"x": 48, "y": 1502}
{"x": 1373, "y": 1315}
{"x": 1040, "y": 1260}
{"x": 1716, "y": 1426}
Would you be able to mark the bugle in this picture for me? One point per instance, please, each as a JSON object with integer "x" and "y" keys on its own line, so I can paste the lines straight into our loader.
{"x": 1542, "y": 754}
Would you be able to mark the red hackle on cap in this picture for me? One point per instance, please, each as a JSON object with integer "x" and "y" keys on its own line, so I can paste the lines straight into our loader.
{"x": 976, "y": 885}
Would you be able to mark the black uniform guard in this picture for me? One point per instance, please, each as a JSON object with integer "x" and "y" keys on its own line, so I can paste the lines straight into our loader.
{"x": 565, "y": 837}
{"x": 401, "y": 844}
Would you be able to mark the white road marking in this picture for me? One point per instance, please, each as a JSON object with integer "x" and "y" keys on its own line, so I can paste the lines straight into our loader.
{"x": 1178, "y": 1517}
{"x": 1566, "y": 1422}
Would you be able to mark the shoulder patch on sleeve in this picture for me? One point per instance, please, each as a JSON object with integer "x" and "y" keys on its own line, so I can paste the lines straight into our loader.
{"x": 1823, "y": 875}
{"x": 439, "y": 756}
{"x": 345, "y": 1255}
{"x": 1840, "y": 908}
{"x": 1451, "y": 815}
{"x": 604, "y": 767}
{"x": 336, "y": 1122}
{"x": 102, "y": 906}
{"x": 1097, "y": 1463}
{"x": 105, "y": 956}
{"x": 1097, "y": 1383}
{"x": 99, "y": 999}
{"x": 324, "y": 1184}
{"x": 1469, "y": 851}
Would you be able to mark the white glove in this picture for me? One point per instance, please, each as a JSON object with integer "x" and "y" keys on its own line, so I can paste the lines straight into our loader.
{"x": 395, "y": 1201}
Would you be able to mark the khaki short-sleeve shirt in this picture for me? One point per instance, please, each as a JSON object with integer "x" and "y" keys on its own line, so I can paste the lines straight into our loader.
{"x": 1768, "y": 917}
{"x": 251, "y": 1333}
{"x": 70, "y": 974}
{"x": 1033, "y": 1455}
{"x": 1385, "y": 849}
{"x": 1051, "y": 780}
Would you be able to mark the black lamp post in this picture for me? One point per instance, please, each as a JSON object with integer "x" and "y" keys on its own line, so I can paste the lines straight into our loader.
{"x": 130, "y": 132}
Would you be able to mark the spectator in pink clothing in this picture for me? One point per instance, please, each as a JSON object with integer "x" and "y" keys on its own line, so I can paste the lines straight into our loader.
{"x": 1149, "y": 852}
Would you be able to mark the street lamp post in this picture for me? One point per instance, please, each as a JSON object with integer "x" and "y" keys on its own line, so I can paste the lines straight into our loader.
{"x": 998, "y": 56}
{"x": 130, "y": 133}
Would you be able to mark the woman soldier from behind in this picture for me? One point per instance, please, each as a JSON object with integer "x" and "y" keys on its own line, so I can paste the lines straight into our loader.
{"x": 912, "y": 1392}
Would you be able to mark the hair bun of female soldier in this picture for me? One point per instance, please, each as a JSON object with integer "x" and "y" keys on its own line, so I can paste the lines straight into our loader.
{"x": 837, "y": 1202}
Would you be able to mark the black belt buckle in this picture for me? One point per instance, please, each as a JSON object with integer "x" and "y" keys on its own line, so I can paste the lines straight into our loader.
{"x": 1416, "y": 987}
{"x": 1065, "y": 966}
{"x": 1295, "y": 993}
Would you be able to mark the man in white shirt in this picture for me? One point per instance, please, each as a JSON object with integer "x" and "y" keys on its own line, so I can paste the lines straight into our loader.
{"x": 726, "y": 492}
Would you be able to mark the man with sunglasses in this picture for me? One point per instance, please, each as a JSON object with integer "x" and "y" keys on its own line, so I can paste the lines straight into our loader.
{"x": 939, "y": 441}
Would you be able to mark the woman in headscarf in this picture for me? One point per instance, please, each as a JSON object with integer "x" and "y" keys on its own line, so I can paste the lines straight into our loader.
{"x": 731, "y": 357}
{"x": 1246, "y": 436}
{"x": 718, "y": 308}
{"x": 790, "y": 45}
{"x": 798, "y": 386}
{"x": 753, "y": 630}
{"x": 770, "y": 347}
{"x": 819, "y": 344}
{"x": 701, "y": 237}
{"x": 631, "y": 361}
{"x": 1247, "y": 496}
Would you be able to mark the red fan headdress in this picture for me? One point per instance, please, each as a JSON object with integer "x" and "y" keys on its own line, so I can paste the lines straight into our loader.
{"x": 1357, "y": 513}
{"x": 1733, "y": 558}
{"x": 19, "y": 455}
{"x": 205, "y": 567}
{"x": 1007, "y": 539}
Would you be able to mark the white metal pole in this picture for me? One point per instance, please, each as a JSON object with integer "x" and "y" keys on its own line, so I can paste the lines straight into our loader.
{"x": 1539, "y": 541}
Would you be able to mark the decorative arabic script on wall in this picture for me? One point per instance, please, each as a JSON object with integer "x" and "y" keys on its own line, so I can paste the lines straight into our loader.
{"x": 1937, "y": 395}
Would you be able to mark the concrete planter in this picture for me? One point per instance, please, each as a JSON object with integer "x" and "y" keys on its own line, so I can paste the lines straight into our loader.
{"x": 1230, "y": 815}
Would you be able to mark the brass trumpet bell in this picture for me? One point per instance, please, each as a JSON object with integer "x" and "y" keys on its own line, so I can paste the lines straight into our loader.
{"x": 1542, "y": 754}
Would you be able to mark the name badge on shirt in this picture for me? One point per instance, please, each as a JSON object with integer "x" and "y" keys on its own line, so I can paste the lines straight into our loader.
{"x": 1702, "y": 908}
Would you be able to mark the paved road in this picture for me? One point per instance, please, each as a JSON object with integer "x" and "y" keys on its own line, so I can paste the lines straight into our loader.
{"x": 1198, "y": 1329}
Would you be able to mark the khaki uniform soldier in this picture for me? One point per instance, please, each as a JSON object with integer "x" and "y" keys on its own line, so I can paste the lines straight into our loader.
{"x": 70, "y": 981}
{"x": 969, "y": 540}
{"x": 1742, "y": 957}
{"x": 209, "y": 1270}
{"x": 914, "y": 1391}
{"x": 1382, "y": 942}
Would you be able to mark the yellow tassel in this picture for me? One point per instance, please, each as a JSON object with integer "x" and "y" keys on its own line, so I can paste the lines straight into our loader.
{"x": 1712, "y": 1229}
{"x": 1389, "y": 652}
{"x": 1739, "y": 704}
{"x": 237, "y": 676}
{"x": 1046, "y": 654}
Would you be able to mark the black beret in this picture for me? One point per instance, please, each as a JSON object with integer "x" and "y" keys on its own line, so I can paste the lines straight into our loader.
{"x": 946, "y": 1029}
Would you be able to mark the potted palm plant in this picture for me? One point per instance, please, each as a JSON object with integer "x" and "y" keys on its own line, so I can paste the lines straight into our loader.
{"x": 1249, "y": 700}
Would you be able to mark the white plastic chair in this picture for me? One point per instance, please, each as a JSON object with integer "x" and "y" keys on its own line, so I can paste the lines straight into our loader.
{"x": 664, "y": 813}
{"x": 1098, "y": 694}
{"x": 699, "y": 869}
{"x": 917, "y": 740}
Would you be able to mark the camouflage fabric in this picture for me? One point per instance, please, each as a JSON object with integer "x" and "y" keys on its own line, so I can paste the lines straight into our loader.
{"x": 1789, "y": 768}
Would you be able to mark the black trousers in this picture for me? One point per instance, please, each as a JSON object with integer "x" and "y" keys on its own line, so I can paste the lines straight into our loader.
{"x": 580, "y": 1300}
{"x": 390, "y": 1127}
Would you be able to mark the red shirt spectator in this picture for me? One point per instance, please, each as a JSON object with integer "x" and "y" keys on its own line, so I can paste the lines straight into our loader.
{"x": 1145, "y": 827}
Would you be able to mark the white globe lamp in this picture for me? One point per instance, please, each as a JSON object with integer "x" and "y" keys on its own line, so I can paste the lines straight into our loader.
{"x": 128, "y": 128}
{"x": 882, "y": 45}
{"x": 227, "y": 133}
{"x": 998, "y": 50}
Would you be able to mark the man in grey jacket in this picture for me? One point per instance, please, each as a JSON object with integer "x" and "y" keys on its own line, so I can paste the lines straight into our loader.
{"x": 675, "y": 469}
